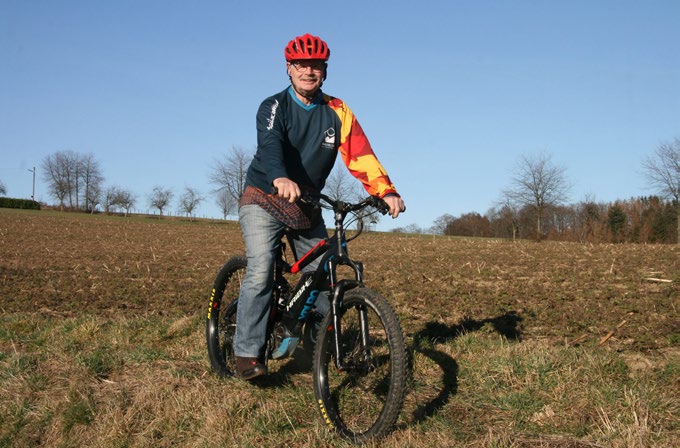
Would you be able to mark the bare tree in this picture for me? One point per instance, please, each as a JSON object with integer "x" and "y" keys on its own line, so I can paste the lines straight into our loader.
{"x": 91, "y": 175}
{"x": 109, "y": 198}
{"x": 341, "y": 186}
{"x": 189, "y": 200}
{"x": 229, "y": 173}
{"x": 160, "y": 198}
{"x": 411, "y": 228}
{"x": 3, "y": 189}
{"x": 440, "y": 224}
{"x": 505, "y": 217}
{"x": 587, "y": 217}
{"x": 663, "y": 173}
{"x": 226, "y": 202}
{"x": 93, "y": 196}
{"x": 539, "y": 184}
{"x": 119, "y": 197}
{"x": 73, "y": 176}
{"x": 70, "y": 163}
{"x": 126, "y": 199}
{"x": 469, "y": 224}
{"x": 55, "y": 168}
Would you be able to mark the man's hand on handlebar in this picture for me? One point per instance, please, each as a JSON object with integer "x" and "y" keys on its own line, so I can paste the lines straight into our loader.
{"x": 287, "y": 189}
{"x": 396, "y": 205}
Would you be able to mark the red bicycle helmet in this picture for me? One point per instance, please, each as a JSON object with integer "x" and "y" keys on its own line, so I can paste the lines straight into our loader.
{"x": 307, "y": 47}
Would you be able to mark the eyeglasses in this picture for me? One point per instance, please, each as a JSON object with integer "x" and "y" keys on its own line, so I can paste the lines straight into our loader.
{"x": 315, "y": 64}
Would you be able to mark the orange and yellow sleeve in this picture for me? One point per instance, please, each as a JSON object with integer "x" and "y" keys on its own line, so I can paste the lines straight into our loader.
{"x": 357, "y": 154}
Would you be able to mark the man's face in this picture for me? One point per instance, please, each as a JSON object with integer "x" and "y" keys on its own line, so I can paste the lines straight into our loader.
{"x": 307, "y": 75}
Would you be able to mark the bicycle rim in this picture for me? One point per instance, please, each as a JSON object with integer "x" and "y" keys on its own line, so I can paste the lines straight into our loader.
{"x": 363, "y": 401}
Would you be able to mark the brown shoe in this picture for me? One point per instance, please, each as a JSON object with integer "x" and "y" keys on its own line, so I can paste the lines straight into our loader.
{"x": 249, "y": 368}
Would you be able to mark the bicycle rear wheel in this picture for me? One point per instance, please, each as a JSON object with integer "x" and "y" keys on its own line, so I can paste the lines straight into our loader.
{"x": 363, "y": 400}
{"x": 220, "y": 324}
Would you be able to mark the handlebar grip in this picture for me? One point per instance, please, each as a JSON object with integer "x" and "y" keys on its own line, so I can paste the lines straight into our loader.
{"x": 304, "y": 198}
{"x": 381, "y": 205}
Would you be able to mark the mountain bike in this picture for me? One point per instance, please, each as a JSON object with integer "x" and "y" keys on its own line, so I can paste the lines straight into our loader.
{"x": 359, "y": 359}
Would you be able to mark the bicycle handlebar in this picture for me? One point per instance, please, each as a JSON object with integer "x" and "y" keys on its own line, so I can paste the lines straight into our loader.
{"x": 342, "y": 206}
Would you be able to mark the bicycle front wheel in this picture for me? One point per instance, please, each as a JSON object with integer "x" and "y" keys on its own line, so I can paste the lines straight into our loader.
{"x": 220, "y": 324}
{"x": 361, "y": 401}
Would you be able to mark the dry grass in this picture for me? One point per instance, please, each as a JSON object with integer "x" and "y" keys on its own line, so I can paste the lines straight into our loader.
{"x": 102, "y": 341}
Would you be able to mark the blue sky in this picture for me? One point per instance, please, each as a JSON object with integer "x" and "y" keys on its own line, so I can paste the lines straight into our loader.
{"x": 450, "y": 93}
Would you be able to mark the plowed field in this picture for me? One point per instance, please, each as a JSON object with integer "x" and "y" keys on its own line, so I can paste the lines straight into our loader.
{"x": 69, "y": 263}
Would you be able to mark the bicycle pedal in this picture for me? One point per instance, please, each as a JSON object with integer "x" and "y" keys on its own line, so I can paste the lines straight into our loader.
{"x": 286, "y": 348}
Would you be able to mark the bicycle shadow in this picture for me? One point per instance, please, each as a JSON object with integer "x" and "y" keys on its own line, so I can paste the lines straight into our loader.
{"x": 433, "y": 333}
{"x": 506, "y": 325}
{"x": 437, "y": 333}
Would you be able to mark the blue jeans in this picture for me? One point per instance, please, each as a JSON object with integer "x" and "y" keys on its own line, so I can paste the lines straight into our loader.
{"x": 262, "y": 235}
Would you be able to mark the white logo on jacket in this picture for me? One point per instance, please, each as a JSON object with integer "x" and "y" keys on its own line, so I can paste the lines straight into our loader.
{"x": 329, "y": 138}
{"x": 270, "y": 122}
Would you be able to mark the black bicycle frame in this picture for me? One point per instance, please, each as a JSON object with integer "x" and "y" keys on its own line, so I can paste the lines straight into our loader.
{"x": 302, "y": 298}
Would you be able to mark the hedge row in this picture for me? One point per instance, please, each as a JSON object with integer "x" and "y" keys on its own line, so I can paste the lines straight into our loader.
{"x": 19, "y": 203}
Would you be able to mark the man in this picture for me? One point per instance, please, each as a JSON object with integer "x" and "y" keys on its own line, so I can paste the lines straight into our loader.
{"x": 300, "y": 131}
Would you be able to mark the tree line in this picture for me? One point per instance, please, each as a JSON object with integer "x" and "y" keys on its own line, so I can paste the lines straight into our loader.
{"x": 76, "y": 182}
{"x": 636, "y": 220}
{"x": 532, "y": 206}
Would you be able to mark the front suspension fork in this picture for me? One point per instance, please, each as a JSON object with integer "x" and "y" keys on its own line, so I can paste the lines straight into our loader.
{"x": 336, "y": 305}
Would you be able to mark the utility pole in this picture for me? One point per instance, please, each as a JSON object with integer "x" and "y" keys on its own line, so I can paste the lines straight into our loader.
{"x": 33, "y": 195}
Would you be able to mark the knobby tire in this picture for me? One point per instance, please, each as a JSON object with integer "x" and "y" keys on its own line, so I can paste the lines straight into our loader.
{"x": 364, "y": 402}
{"x": 221, "y": 320}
